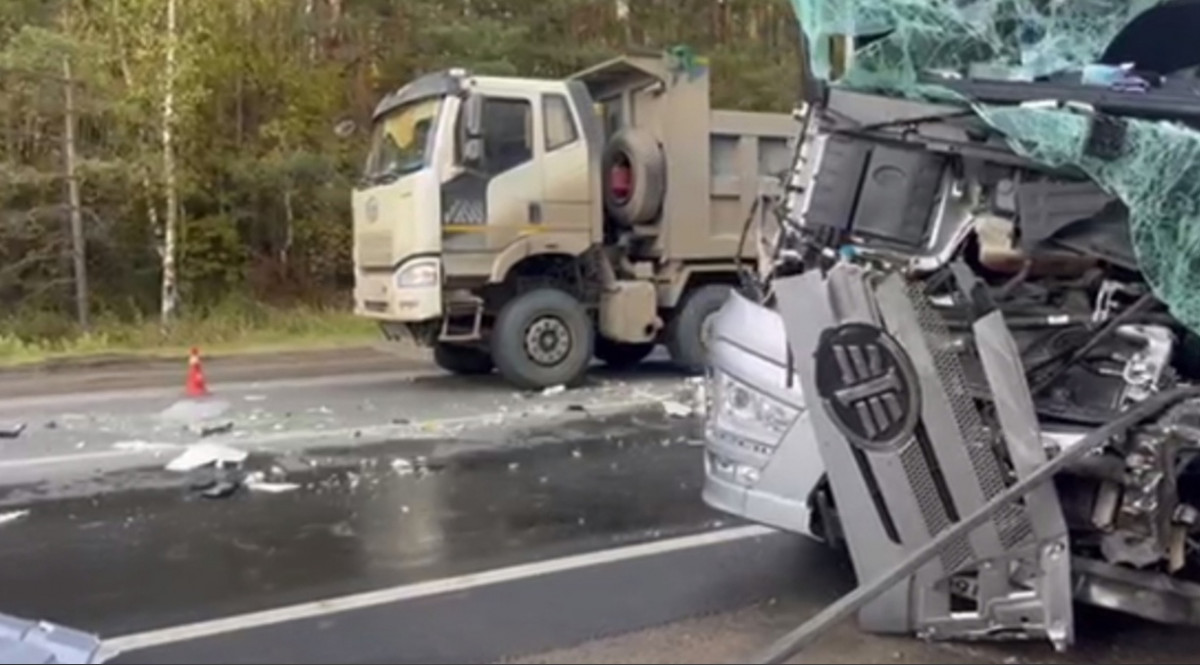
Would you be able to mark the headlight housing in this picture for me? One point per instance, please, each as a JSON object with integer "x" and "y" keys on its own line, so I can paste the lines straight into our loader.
{"x": 743, "y": 411}
{"x": 419, "y": 273}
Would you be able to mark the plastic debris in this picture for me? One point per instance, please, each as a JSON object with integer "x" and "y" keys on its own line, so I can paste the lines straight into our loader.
{"x": 513, "y": 466}
{"x": 402, "y": 466}
{"x": 576, "y": 453}
{"x": 554, "y": 390}
{"x": 12, "y": 516}
{"x": 144, "y": 446}
{"x": 12, "y": 430}
{"x": 219, "y": 428}
{"x": 677, "y": 409}
{"x": 221, "y": 489}
{"x": 257, "y": 483}
{"x": 205, "y": 454}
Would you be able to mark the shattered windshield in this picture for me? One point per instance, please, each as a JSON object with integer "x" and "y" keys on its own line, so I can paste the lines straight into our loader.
{"x": 908, "y": 41}
{"x": 1136, "y": 53}
{"x": 401, "y": 142}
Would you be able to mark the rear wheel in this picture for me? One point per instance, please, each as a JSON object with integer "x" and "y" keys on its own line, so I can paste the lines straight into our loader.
{"x": 687, "y": 334}
{"x": 462, "y": 359}
{"x": 621, "y": 355}
{"x": 542, "y": 338}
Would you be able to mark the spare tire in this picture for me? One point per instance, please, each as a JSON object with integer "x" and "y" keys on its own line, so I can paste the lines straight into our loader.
{"x": 635, "y": 177}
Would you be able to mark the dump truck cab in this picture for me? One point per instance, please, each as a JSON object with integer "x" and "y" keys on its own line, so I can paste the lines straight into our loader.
{"x": 531, "y": 224}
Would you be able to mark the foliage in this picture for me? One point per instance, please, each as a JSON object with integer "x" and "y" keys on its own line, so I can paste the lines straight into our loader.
{"x": 263, "y": 180}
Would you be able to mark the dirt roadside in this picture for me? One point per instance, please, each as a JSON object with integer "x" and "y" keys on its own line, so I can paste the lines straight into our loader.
{"x": 132, "y": 373}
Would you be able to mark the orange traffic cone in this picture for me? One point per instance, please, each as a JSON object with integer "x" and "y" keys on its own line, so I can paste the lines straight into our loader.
{"x": 196, "y": 385}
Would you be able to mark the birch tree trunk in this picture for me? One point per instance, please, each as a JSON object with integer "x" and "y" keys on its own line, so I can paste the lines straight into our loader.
{"x": 169, "y": 278}
{"x": 78, "y": 244}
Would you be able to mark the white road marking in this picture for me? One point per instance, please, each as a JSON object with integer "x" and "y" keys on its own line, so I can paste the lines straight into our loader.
{"x": 175, "y": 634}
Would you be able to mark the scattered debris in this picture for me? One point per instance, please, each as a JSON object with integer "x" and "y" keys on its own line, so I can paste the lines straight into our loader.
{"x": 554, "y": 390}
{"x": 677, "y": 409}
{"x": 291, "y": 464}
{"x": 404, "y": 509}
{"x": 257, "y": 482}
{"x": 576, "y": 407}
{"x": 576, "y": 453}
{"x": 144, "y": 446}
{"x": 80, "y": 445}
{"x": 11, "y": 431}
{"x": 205, "y": 454}
{"x": 51, "y": 424}
{"x": 255, "y": 398}
{"x": 401, "y": 421}
{"x": 513, "y": 466}
{"x": 220, "y": 489}
{"x": 402, "y": 466}
{"x": 219, "y": 428}
{"x": 12, "y": 516}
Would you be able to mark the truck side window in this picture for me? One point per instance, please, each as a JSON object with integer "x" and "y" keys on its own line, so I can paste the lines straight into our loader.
{"x": 507, "y": 133}
{"x": 558, "y": 121}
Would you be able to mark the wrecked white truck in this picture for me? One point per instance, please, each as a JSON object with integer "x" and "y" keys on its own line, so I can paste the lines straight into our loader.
{"x": 987, "y": 276}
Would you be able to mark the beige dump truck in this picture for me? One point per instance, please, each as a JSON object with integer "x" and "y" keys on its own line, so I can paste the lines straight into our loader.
{"x": 529, "y": 225}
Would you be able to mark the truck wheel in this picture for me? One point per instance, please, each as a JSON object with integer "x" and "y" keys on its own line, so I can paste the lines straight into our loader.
{"x": 621, "y": 355}
{"x": 462, "y": 359}
{"x": 635, "y": 177}
{"x": 542, "y": 338}
{"x": 688, "y": 330}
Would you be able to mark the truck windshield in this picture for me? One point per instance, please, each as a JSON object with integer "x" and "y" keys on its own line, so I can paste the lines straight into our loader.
{"x": 401, "y": 141}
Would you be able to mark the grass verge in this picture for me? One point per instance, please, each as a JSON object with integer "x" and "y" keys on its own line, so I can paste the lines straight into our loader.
{"x": 223, "y": 331}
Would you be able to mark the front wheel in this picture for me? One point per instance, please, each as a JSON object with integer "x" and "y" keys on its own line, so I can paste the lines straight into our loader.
{"x": 542, "y": 338}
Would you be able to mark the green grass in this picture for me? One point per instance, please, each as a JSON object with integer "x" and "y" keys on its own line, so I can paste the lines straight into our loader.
{"x": 232, "y": 329}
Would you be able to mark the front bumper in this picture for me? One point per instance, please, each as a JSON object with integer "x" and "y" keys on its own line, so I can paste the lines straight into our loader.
{"x": 376, "y": 296}
{"x": 747, "y": 475}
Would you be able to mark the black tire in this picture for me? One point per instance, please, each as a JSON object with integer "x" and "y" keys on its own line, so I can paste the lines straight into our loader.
{"x": 621, "y": 355}
{"x": 685, "y": 331}
{"x": 544, "y": 317}
{"x": 462, "y": 359}
{"x": 648, "y": 176}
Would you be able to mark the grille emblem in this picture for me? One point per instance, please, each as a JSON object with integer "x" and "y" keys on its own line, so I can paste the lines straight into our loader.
{"x": 868, "y": 386}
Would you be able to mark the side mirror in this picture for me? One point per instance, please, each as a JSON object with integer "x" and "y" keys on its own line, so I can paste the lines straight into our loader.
{"x": 473, "y": 116}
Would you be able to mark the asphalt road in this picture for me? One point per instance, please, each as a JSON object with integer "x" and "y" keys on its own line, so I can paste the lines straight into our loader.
{"x": 440, "y": 504}
{"x": 433, "y": 519}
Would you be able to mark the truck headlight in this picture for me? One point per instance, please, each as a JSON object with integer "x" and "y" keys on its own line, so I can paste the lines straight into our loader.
{"x": 419, "y": 273}
{"x": 741, "y": 410}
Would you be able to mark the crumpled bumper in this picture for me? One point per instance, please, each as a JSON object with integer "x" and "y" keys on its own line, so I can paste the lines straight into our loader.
{"x": 23, "y": 641}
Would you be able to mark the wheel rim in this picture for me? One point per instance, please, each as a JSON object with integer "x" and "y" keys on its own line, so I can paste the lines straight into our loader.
{"x": 547, "y": 341}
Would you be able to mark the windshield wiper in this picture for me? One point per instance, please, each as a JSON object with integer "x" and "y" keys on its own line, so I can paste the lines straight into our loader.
{"x": 390, "y": 175}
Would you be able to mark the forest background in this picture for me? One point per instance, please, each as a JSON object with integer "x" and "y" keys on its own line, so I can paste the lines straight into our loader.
{"x": 169, "y": 170}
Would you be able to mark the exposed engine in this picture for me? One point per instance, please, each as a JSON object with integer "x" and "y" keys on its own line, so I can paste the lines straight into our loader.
{"x": 962, "y": 315}
{"x": 1052, "y": 253}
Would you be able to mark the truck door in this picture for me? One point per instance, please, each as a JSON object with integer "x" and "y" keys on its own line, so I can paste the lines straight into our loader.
{"x": 488, "y": 206}
{"x": 567, "y": 188}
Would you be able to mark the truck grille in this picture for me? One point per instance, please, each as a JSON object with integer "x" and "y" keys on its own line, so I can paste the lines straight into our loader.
{"x": 1011, "y": 522}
